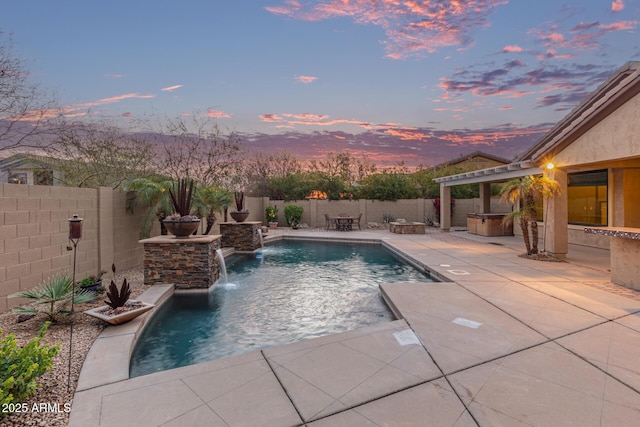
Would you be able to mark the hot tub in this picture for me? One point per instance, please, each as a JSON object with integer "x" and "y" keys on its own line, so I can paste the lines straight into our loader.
{"x": 488, "y": 224}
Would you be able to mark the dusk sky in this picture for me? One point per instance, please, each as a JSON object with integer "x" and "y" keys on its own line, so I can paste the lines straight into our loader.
{"x": 399, "y": 80}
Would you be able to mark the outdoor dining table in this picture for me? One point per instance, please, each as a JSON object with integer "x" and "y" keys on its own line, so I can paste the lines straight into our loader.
{"x": 344, "y": 223}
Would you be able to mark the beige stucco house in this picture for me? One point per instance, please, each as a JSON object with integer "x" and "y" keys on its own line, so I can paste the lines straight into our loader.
{"x": 595, "y": 151}
{"x": 29, "y": 169}
{"x": 474, "y": 161}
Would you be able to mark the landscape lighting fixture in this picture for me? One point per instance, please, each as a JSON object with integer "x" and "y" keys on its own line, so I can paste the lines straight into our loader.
{"x": 75, "y": 234}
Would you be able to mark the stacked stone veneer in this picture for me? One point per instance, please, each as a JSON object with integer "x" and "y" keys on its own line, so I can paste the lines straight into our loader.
{"x": 243, "y": 236}
{"x": 190, "y": 263}
{"x": 407, "y": 227}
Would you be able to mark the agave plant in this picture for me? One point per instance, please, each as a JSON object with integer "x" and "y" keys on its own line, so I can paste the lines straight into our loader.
{"x": 53, "y": 297}
{"x": 182, "y": 197}
{"x": 117, "y": 298}
{"x": 239, "y": 199}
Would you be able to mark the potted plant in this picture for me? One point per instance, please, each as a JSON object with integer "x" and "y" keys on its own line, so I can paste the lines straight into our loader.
{"x": 240, "y": 214}
{"x": 92, "y": 283}
{"x": 293, "y": 215}
{"x": 272, "y": 216}
{"x": 119, "y": 308}
{"x": 182, "y": 224}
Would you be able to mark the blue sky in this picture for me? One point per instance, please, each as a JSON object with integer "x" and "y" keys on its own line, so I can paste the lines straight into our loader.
{"x": 397, "y": 80}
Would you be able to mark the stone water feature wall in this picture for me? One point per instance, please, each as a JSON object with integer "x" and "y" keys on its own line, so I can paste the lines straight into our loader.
{"x": 243, "y": 236}
{"x": 190, "y": 263}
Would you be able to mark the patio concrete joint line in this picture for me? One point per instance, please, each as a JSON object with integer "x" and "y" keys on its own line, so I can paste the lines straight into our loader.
{"x": 302, "y": 420}
{"x": 444, "y": 375}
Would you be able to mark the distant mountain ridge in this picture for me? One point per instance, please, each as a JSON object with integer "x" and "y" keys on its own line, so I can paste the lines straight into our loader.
{"x": 411, "y": 147}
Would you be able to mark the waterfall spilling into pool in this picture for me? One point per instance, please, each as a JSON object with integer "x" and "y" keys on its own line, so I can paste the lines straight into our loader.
{"x": 301, "y": 290}
{"x": 261, "y": 239}
{"x": 261, "y": 254}
{"x": 223, "y": 267}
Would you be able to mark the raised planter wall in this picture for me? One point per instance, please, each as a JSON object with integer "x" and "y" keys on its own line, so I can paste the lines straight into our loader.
{"x": 190, "y": 263}
{"x": 243, "y": 236}
{"x": 407, "y": 227}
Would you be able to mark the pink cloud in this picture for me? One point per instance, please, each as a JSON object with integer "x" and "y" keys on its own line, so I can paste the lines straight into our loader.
{"x": 217, "y": 114}
{"x": 407, "y": 135}
{"x": 583, "y": 36}
{"x": 116, "y": 98}
{"x": 617, "y": 5}
{"x": 114, "y": 76}
{"x": 270, "y": 118}
{"x": 412, "y": 27}
{"x": 171, "y": 88}
{"x": 506, "y": 108}
{"x": 306, "y": 79}
{"x": 308, "y": 119}
{"x": 307, "y": 116}
{"x": 553, "y": 54}
{"x": 619, "y": 26}
{"x": 79, "y": 110}
{"x": 512, "y": 49}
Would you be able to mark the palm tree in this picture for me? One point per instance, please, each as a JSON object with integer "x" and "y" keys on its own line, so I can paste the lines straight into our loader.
{"x": 528, "y": 190}
{"x": 208, "y": 200}
{"x": 153, "y": 194}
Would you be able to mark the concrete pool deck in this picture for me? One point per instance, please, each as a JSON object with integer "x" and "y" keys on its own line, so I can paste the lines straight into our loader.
{"x": 509, "y": 341}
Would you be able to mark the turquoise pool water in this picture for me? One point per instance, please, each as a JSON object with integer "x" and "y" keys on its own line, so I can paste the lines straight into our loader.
{"x": 295, "y": 290}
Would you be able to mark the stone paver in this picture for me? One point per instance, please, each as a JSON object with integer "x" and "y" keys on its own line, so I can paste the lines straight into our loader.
{"x": 612, "y": 347}
{"x": 327, "y": 376}
{"x": 458, "y": 328}
{"x": 545, "y": 314}
{"x": 545, "y": 386}
{"x": 407, "y": 408}
{"x": 507, "y": 341}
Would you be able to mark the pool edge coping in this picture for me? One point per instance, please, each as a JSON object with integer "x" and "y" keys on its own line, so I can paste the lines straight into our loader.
{"x": 102, "y": 367}
{"x": 98, "y": 370}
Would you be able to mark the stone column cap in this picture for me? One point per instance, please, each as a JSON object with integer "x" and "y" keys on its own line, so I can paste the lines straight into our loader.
{"x": 172, "y": 239}
{"x": 240, "y": 223}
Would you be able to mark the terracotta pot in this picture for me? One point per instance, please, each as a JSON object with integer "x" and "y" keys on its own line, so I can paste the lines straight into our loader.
{"x": 240, "y": 216}
{"x": 181, "y": 229}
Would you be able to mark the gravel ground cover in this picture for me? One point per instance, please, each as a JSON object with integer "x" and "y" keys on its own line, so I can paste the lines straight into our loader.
{"x": 50, "y": 405}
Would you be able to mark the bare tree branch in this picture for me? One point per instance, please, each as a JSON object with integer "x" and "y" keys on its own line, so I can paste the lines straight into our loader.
{"x": 24, "y": 113}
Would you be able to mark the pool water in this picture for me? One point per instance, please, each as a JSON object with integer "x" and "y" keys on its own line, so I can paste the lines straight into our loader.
{"x": 293, "y": 290}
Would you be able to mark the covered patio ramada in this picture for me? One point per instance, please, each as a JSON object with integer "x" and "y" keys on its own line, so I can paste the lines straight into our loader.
{"x": 594, "y": 154}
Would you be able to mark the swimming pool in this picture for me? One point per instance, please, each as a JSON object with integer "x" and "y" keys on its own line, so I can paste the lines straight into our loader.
{"x": 295, "y": 290}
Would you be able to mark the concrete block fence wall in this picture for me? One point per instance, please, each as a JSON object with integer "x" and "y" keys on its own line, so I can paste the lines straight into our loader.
{"x": 34, "y": 228}
{"x": 371, "y": 210}
{"x": 34, "y": 234}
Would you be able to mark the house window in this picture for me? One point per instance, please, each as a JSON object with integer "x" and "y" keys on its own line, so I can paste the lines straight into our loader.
{"x": 43, "y": 177}
{"x": 587, "y": 198}
{"x": 17, "y": 178}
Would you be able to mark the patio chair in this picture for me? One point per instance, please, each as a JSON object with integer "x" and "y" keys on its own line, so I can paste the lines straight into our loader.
{"x": 359, "y": 218}
{"x": 329, "y": 223}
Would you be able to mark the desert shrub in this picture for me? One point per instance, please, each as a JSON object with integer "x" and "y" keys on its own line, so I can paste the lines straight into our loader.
{"x": 293, "y": 215}
{"x": 20, "y": 367}
{"x": 53, "y": 297}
